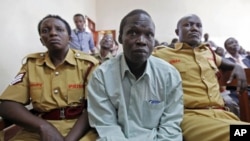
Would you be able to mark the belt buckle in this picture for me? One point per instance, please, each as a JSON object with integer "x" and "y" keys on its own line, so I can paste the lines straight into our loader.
{"x": 62, "y": 114}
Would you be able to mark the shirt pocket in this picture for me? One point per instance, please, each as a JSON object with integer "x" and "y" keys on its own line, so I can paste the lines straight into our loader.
{"x": 152, "y": 113}
{"x": 75, "y": 96}
{"x": 35, "y": 95}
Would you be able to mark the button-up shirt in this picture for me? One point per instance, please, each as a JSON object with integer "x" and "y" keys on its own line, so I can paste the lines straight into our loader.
{"x": 123, "y": 108}
{"x": 82, "y": 41}
{"x": 198, "y": 71}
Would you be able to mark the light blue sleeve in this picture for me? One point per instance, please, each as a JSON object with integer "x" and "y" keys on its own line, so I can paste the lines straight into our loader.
{"x": 169, "y": 128}
{"x": 91, "y": 42}
{"x": 102, "y": 114}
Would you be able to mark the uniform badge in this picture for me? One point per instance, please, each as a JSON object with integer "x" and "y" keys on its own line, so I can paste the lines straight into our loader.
{"x": 18, "y": 79}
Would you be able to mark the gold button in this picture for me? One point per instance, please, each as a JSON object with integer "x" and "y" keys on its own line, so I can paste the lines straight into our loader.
{"x": 41, "y": 54}
{"x": 56, "y": 73}
{"x": 77, "y": 54}
{"x": 56, "y": 91}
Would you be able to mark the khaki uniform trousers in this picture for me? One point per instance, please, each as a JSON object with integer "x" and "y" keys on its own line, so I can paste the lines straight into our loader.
{"x": 208, "y": 125}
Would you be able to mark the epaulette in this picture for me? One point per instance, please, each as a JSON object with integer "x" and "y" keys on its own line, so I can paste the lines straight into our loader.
{"x": 34, "y": 56}
{"x": 85, "y": 56}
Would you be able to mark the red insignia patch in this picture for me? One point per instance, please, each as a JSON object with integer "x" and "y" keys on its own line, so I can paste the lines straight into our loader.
{"x": 18, "y": 79}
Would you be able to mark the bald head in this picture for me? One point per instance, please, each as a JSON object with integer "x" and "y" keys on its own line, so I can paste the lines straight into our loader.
{"x": 189, "y": 30}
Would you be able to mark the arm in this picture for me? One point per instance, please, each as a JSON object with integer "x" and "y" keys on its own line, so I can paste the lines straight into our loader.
{"x": 80, "y": 128}
{"x": 169, "y": 128}
{"x": 102, "y": 113}
{"x": 91, "y": 44}
{"x": 19, "y": 115}
{"x": 237, "y": 72}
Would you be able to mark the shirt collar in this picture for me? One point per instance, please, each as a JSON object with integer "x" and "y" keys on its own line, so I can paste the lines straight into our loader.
{"x": 179, "y": 46}
{"x": 125, "y": 69}
{"x": 78, "y": 31}
{"x": 69, "y": 59}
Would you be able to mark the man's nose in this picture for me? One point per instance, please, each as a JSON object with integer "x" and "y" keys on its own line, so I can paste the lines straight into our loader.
{"x": 141, "y": 39}
{"x": 53, "y": 31}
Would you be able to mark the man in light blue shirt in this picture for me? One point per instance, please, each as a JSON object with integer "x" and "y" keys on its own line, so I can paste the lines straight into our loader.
{"x": 80, "y": 38}
{"x": 135, "y": 96}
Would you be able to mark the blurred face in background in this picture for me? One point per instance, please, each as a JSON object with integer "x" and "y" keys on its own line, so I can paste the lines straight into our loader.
{"x": 79, "y": 22}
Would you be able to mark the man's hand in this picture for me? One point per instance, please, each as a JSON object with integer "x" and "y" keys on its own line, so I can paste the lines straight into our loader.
{"x": 50, "y": 133}
{"x": 239, "y": 73}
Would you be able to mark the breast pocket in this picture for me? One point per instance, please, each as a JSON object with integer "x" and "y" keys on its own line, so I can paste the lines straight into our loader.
{"x": 152, "y": 113}
{"x": 36, "y": 95}
{"x": 75, "y": 96}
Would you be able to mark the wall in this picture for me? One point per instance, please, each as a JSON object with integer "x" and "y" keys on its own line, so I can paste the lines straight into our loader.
{"x": 221, "y": 18}
{"x": 19, "y": 19}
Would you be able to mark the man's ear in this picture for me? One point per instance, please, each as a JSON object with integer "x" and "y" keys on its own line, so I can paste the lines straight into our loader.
{"x": 120, "y": 39}
{"x": 177, "y": 32}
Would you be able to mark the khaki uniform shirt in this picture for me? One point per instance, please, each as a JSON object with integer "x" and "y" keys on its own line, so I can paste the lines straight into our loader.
{"x": 48, "y": 87}
{"x": 198, "y": 72}
{"x": 102, "y": 59}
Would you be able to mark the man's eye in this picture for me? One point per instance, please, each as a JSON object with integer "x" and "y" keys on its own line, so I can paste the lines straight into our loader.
{"x": 199, "y": 25}
{"x": 132, "y": 33}
{"x": 45, "y": 30}
{"x": 60, "y": 29}
{"x": 187, "y": 24}
{"x": 150, "y": 35}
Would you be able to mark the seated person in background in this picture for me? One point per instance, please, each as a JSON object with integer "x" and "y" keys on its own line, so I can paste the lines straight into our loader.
{"x": 209, "y": 42}
{"x": 115, "y": 48}
{"x": 164, "y": 43}
{"x": 242, "y": 51}
{"x": 232, "y": 47}
{"x": 226, "y": 94}
{"x": 54, "y": 82}
{"x": 205, "y": 117}
{"x": 139, "y": 97}
{"x": 174, "y": 40}
{"x": 220, "y": 51}
{"x": 106, "y": 44}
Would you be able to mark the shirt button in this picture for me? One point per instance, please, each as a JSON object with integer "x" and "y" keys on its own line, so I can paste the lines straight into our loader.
{"x": 77, "y": 54}
{"x": 56, "y": 73}
{"x": 56, "y": 91}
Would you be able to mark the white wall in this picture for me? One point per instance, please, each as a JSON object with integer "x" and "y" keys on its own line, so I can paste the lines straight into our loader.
{"x": 19, "y": 35}
{"x": 221, "y": 18}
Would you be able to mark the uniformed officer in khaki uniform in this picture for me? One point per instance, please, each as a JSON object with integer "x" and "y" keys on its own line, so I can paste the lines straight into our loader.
{"x": 106, "y": 45}
{"x": 54, "y": 83}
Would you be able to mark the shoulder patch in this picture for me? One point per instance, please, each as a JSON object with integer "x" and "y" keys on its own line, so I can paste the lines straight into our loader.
{"x": 18, "y": 78}
{"x": 84, "y": 56}
{"x": 33, "y": 55}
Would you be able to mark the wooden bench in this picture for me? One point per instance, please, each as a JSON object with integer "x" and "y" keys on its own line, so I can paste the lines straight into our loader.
{"x": 243, "y": 97}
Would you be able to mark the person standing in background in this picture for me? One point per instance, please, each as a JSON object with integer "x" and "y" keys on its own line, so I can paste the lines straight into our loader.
{"x": 80, "y": 38}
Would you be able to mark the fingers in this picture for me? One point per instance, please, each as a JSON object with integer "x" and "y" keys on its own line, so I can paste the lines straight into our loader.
{"x": 230, "y": 78}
